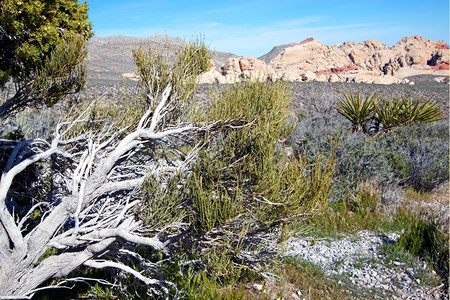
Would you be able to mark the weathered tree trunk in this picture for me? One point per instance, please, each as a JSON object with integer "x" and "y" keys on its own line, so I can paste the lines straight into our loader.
{"x": 91, "y": 217}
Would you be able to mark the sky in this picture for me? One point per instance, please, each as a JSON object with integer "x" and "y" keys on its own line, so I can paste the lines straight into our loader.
{"x": 253, "y": 28}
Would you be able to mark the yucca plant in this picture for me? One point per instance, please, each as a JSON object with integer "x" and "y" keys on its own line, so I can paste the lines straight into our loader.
{"x": 420, "y": 111}
{"x": 357, "y": 109}
{"x": 391, "y": 113}
{"x": 401, "y": 111}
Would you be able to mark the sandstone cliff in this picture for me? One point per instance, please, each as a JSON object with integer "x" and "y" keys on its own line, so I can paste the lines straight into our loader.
{"x": 370, "y": 61}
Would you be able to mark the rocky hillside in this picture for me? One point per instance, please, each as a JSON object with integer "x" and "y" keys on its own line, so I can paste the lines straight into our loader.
{"x": 370, "y": 61}
{"x": 110, "y": 57}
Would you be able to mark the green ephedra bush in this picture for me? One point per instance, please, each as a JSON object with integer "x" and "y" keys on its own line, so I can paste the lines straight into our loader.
{"x": 242, "y": 187}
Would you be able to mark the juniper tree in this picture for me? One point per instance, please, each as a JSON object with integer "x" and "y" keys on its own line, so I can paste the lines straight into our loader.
{"x": 42, "y": 48}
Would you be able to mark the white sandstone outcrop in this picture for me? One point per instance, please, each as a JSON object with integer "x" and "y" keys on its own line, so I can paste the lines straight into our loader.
{"x": 370, "y": 61}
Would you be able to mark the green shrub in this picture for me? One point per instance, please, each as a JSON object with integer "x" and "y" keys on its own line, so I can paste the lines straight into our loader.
{"x": 155, "y": 70}
{"x": 422, "y": 236}
{"x": 243, "y": 182}
{"x": 415, "y": 155}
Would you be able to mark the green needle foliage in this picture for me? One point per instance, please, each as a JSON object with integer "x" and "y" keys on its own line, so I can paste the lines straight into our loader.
{"x": 357, "y": 109}
{"x": 155, "y": 70}
{"x": 42, "y": 47}
{"x": 248, "y": 164}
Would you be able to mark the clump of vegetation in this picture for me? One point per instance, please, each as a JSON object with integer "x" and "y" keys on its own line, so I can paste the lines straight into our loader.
{"x": 424, "y": 237}
{"x": 415, "y": 155}
{"x": 243, "y": 183}
{"x": 357, "y": 109}
{"x": 386, "y": 115}
{"x": 155, "y": 69}
{"x": 310, "y": 280}
{"x": 43, "y": 49}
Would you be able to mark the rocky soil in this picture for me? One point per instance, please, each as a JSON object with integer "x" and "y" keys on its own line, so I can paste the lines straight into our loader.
{"x": 357, "y": 263}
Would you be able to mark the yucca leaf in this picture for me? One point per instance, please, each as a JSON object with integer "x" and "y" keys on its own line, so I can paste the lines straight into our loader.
{"x": 404, "y": 110}
{"x": 357, "y": 109}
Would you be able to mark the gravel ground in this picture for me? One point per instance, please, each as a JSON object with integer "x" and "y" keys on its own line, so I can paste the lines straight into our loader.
{"x": 358, "y": 263}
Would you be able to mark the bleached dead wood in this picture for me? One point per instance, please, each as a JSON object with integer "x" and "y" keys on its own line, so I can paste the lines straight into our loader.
{"x": 92, "y": 210}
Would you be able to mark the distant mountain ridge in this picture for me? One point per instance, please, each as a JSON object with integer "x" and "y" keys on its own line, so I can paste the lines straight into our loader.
{"x": 109, "y": 57}
{"x": 277, "y": 50}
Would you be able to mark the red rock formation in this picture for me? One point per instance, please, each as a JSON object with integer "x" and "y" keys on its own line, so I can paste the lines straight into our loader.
{"x": 308, "y": 40}
{"x": 441, "y": 45}
{"x": 369, "y": 61}
{"x": 335, "y": 70}
{"x": 441, "y": 66}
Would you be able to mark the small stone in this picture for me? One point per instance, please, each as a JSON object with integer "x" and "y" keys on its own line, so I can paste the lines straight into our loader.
{"x": 258, "y": 286}
{"x": 397, "y": 263}
{"x": 418, "y": 280}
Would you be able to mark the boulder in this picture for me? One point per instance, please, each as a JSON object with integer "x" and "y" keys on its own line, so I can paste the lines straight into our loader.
{"x": 309, "y": 76}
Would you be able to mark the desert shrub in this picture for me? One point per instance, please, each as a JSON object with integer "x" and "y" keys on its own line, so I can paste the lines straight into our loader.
{"x": 244, "y": 185}
{"x": 420, "y": 158}
{"x": 426, "y": 237}
{"x": 262, "y": 171}
{"x": 357, "y": 109}
{"x": 414, "y": 156}
{"x": 156, "y": 70}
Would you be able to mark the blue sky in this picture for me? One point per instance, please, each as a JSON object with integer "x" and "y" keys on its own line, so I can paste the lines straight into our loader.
{"x": 252, "y": 28}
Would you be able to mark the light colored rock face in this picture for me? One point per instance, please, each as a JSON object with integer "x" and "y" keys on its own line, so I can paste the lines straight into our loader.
{"x": 247, "y": 67}
{"x": 350, "y": 61}
{"x": 370, "y": 61}
{"x": 309, "y": 55}
{"x": 236, "y": 69}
